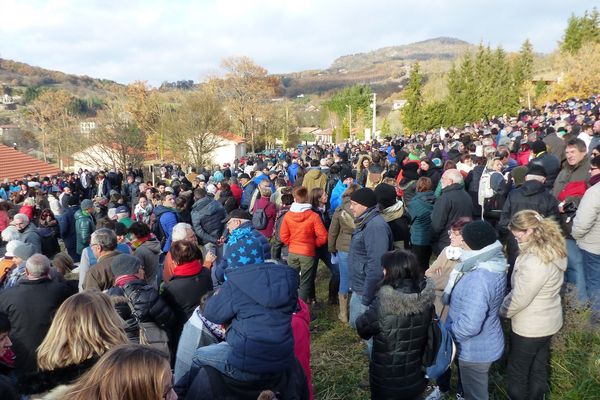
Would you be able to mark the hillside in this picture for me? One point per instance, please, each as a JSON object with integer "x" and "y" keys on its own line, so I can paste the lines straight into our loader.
{"x": 385, "y": 69}
{"x": 19, "y": 76}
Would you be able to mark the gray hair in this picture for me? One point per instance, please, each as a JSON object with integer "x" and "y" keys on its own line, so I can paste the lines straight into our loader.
{"x": 454, "y": 175}
{"x": 11, "y": 233}
{"x": 106, "y": 238}
{"x": 180, "y": 231}
{"x": 37, "y": 266}
{"x": 21, "y": 217}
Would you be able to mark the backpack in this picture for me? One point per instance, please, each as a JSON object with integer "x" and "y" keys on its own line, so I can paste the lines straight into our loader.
{"x": 485, "y": 188}
{"x": 440, "y": 349}
{"x": 157, "y": 230}
{"x": 259, "y": 218}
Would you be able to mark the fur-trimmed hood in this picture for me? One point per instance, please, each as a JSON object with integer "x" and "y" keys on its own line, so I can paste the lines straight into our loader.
{"x": 398, "y": 301}
{"x": 44, "y": 381}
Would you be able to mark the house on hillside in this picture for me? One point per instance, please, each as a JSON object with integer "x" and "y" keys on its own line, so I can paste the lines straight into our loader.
{"x": 6, "y": 130}
{"x": 232, "y": 147}
{"x": 85, "y": 127}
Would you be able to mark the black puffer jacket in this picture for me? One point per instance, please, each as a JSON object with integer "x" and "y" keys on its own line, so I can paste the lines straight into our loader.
{"x": 147, "y": 305}
{"x": 453, "y": 203}
{"x": 398, "y": 321}
{"x": 227, "y": 200}
{"x": 207, "y": 217}
{"x": 532, "y": 195}
{"x": 551, "y": 165}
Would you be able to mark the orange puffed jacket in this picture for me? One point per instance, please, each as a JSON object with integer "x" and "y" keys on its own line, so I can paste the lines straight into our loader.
{"x": 302, "y": 230}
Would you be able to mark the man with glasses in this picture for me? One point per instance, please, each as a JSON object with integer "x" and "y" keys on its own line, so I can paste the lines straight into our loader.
{"x": 28, "y": 231}
{"x": 586, "y": 230}
{"x": 103, "y": 244}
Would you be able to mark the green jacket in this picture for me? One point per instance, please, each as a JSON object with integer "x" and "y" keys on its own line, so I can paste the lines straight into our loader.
{"x": 84, "y": 226}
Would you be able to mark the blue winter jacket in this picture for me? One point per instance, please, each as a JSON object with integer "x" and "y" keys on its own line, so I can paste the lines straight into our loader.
{"x": 293, "y": 172}
{"x": 258, "y": 301}
{"x": 473, "y": 317}
{"x": 167, "y": 218}
{"x": 336, "y": 196}
{"x": 372, "y": 238}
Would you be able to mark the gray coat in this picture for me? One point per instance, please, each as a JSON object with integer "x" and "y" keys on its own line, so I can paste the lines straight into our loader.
{"x": 372, "y": 238}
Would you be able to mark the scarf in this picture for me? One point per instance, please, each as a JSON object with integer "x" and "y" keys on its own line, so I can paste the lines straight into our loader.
{"x": 365, "y": 217}
{"x": 489, "y": 258}
{"x": 138, "y": 242}
{"x": 215, "y": 329}
{"x": 188, "y": 269}
{"x": 453, "y": 253}
{"x": 393, "y": 212}
{"x": 123, "y": 280}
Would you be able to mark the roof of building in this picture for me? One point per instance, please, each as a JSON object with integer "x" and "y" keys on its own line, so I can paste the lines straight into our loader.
{"x": 15, "y": 165}
{"x": 232, "y": 137}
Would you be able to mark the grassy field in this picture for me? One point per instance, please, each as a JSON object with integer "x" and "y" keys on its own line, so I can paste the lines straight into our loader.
{"x": 339, "y": 362}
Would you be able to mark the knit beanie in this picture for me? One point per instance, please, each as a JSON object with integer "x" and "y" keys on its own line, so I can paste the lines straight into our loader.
{"x": 23, "y": 251}
{"x": 125, "y": 264}
{"x": 243, "y": 248}
{"x": 410, "y": 171}
{"x": 518, "y": 174}
{"x": 218, "y": 176}
{"x": 386, "y": 195}
{"x": 538, "y": 170}
{"x": 87, "y": 204}
{"x": 478, "y": 234}
{"x": 365, "y": 197}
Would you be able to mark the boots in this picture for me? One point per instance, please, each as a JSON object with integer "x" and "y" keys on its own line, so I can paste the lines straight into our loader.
{"x": 334, "y": 287}
{"x": 343, "y": 315}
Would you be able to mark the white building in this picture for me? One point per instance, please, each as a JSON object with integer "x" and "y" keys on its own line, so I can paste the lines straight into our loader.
{"x": 233, "y": 146}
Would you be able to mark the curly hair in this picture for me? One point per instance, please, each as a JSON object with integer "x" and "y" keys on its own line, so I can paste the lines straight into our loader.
{"x": 546, "y": 240}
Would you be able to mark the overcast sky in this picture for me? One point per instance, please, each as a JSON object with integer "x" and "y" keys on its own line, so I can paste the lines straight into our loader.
{"x": 158, "y": 40}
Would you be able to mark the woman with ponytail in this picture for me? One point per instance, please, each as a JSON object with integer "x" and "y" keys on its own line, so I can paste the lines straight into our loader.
{"x": 534, "y": 303}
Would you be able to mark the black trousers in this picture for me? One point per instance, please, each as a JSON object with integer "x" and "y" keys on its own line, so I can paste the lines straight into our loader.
{"x": 423, "y": 254}
{"x": 527, "y": 370}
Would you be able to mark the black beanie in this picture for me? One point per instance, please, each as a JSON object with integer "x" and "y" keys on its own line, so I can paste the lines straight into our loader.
{"x": 125, "y": 264}
{"x": 479, "y": 234}
{"x": 386, "y": 195}
{"x": 365, "y": 197}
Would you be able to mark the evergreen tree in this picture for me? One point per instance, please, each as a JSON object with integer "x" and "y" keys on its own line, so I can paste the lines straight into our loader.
{"x": 523, "y": 71}
{"x": 580, "y": 31}
{"x": 411, "y": 112}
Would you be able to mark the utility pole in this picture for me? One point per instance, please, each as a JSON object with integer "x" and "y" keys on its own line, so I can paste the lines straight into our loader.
{"x": 349, "y": 121}
{"x": 374, "y": 115}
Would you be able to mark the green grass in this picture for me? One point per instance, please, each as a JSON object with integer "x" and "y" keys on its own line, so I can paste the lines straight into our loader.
{"x": 339, "y": 362}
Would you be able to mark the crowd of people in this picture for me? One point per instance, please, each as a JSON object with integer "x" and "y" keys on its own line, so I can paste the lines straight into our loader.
{"x": 203, "y": 285}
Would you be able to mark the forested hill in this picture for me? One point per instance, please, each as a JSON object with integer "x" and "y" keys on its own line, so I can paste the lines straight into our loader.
{"x": 383, "y": 69}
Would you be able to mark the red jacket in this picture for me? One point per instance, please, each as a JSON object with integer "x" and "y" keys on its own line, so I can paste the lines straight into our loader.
{"x": 270, "y": 212}
{"x": 302, "y": 230}
{"x": 27, "y": 210}
{"x": 301, "y": 330}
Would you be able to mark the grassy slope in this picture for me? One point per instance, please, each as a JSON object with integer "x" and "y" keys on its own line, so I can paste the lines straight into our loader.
{"x": 339, "y": 363}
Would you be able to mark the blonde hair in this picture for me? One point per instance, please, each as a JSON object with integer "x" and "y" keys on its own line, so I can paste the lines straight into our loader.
{"x": 127, "y": 372}
{"x": 86, "y": 325}
{"x": 546, "y": 240}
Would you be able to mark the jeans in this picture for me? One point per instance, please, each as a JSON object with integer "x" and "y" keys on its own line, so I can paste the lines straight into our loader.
{"x": 356, "y": 309}
{"x": 575, "y": 270}
{"x": 474, "y": 378}
{"x": 344, "y": 273}
{"x": 216, "y": 356}
{"x": 527, "y": 369}
{"x": 192, "y": 337}
{"x": 591, "y": 263}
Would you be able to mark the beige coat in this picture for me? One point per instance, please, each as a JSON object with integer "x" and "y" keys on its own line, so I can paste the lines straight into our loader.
{"x": 586, "y": 226}
{"x": 439, "y": 272}
{"x": 534, "y": 303}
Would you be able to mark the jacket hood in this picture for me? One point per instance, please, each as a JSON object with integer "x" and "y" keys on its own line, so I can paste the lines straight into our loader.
{"x": 153, "y": 245}
{"x": 78, "y": 215}
{"x": 269, "y": 284}
{"x": 201, "y": 203}
{"x": 393, "y": 212}
{"x": 402, "y": 301}
{"x": 299, "y": 214}
{"x": 160, "y": 210}
{"x": 346, "y": 217}
{"x": 300, "y": 207}
{"x": 209, "y": 204}
{"x": 531, "y": 188}
{"x": 313, "y": 174}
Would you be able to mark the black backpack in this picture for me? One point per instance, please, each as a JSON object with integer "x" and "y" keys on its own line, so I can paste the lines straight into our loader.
{"x": 157, "y": 230}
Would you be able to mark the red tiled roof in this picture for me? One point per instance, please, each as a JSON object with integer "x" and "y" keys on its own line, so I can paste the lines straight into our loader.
{"x": 232, "y": 136}
{"x": 15, "y": 165}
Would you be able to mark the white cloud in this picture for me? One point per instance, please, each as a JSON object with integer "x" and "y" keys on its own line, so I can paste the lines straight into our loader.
{"x": 170, "y": 40}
